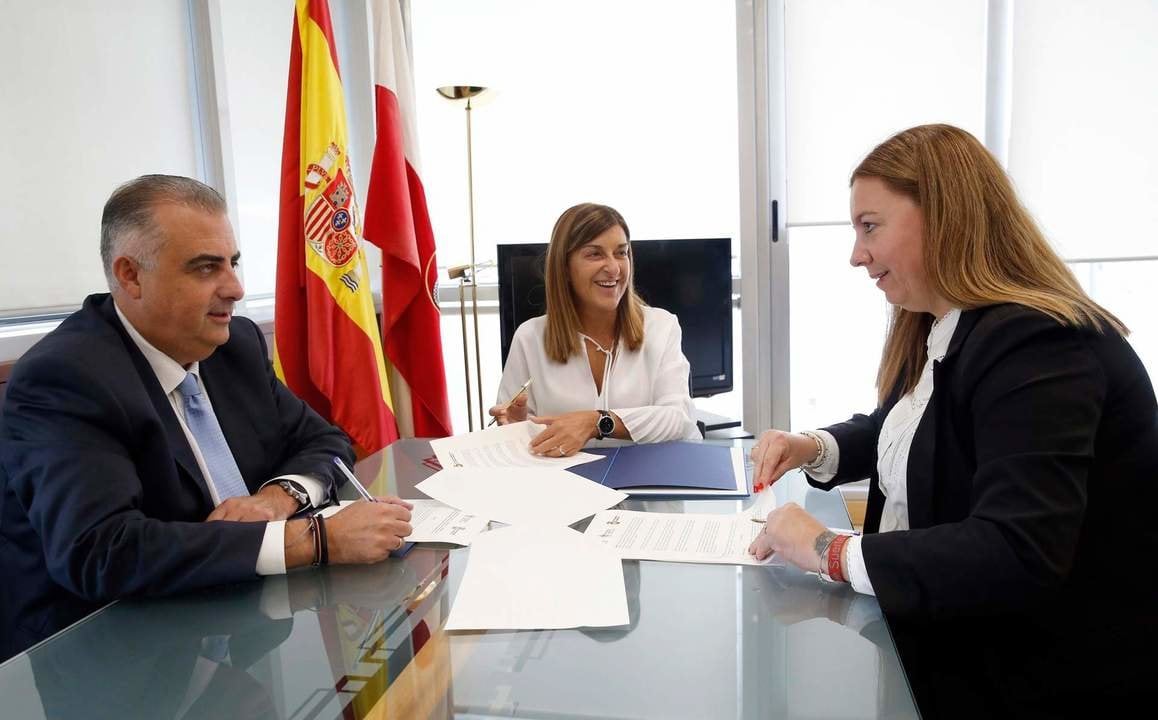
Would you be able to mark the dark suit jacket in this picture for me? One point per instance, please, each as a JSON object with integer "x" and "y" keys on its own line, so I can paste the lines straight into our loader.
{"x": 101, "y": 496}
{"x": 1027, "y": 579}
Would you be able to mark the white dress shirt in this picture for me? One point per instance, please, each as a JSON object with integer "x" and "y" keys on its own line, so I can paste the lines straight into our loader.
{"x": 646, "y": 388}
{"x": 893, "y": 445}
{"x": 170, "y": 373}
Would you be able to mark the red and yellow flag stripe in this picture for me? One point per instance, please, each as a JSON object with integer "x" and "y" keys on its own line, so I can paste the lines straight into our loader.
{"x": 327, "y": 348}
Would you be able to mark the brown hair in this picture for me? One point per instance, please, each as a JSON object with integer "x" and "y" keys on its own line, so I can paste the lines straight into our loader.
{"x": 576, "y": 227}
{"x": 981, "y": 247}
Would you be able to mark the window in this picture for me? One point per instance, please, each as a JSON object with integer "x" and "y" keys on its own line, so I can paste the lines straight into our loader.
{"x": 81, "y": 115}
{"x": 856, "y": 74}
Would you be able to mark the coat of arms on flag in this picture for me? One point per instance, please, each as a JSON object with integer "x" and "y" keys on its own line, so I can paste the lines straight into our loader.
{"x": 330, "y": 220}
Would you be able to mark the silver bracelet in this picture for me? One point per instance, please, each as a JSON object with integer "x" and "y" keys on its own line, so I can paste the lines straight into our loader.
{"x": 821, "y": 451}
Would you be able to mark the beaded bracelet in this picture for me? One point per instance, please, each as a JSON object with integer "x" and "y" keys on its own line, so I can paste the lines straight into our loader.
{"x": 821, "y": 451}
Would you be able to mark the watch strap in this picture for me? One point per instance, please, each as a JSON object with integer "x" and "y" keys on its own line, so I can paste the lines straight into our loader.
{"x": 296, "y": 491}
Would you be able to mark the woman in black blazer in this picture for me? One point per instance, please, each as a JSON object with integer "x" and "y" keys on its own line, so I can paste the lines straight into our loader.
{"x": 1013, "y": 455}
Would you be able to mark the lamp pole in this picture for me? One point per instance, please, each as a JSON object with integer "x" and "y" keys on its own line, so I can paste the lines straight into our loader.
{"x": 460, "y": 92}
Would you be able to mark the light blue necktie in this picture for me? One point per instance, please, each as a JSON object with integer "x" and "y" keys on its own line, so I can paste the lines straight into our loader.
{"x": 199, "y": 417}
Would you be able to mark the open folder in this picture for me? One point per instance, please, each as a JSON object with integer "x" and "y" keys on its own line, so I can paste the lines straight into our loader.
{"x": 681, "y": 469}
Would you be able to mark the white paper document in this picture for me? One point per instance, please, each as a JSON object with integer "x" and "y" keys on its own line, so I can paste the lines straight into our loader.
{"x": 520, "y": 495}
{"x": 678, "y": 537}
{"x": 501, "y": 446}
{"x": 539, "y": 578}
{"x": 434, "y": 522}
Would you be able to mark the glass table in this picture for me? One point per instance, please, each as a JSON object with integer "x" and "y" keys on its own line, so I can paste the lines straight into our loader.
{"x": 704, "y": 641}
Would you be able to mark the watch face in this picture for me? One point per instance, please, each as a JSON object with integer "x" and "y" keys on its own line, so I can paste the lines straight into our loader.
{"x": 606, "y": 425}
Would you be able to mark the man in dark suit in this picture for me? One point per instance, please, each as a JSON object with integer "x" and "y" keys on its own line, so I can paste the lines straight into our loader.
{"x": 146, "y": 446}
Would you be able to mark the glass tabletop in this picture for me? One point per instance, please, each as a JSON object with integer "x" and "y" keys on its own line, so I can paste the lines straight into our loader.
{"x": 704, "y": 641}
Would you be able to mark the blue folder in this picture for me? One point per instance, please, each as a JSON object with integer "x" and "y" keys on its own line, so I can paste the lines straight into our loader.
{"x": 683, "y": 467}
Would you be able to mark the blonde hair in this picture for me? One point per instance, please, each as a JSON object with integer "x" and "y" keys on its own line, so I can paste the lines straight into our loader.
{"x": 576, "y": 227}
{"x": 981, "y": 247}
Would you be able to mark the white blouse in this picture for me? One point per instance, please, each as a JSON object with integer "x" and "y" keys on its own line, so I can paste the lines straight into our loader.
{"x": 893, "y": 445}
{"x": 646, "y": 388}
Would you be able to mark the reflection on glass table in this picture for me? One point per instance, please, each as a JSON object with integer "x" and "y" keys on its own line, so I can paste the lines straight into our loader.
{"x": 703, "y": 641}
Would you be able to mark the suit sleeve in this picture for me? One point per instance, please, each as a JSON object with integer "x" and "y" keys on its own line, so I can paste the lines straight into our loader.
{"x": 311, "y": 443}
{"x": 857, "y": 440}
{"x": 1036, "y": 393}
{"x": 70, "y": 467}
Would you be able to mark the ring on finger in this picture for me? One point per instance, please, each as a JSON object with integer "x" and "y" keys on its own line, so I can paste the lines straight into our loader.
{"x": 562, "y": 452}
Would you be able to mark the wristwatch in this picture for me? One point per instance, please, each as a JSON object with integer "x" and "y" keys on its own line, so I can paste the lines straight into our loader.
{"x": 296, "y": 491}
{"x": 605, "y": 425}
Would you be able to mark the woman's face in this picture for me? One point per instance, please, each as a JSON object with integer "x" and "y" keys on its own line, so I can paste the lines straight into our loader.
{"x": 599, "y": 272}
{"x": 890, "y": 236}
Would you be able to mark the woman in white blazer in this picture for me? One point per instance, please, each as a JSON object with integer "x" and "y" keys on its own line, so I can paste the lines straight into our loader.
{"x": 603, "y": 363}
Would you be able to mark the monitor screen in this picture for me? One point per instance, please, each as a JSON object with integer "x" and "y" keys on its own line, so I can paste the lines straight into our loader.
{"x": 692, "y": 279}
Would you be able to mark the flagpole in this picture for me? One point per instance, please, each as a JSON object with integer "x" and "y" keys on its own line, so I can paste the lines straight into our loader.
{"x": 459, "y": 271}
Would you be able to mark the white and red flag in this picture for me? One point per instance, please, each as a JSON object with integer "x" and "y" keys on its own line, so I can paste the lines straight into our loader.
{"x": 397, "y": 222}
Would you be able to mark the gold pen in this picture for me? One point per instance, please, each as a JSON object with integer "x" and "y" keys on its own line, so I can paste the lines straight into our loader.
{"x": 512, "y": 400}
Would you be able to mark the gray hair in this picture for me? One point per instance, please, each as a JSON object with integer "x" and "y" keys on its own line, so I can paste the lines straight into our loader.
{"x": 127, "y": 223}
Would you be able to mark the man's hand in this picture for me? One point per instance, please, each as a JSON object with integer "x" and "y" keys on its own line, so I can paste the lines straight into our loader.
{"x": 270, "y": 503}
{"x": 791, "y": 533}
{"x": 366, "y": 532}
{"x": 565, "y": 434}
{"x": 513, "y": 413}
{"x": 777, "y": 452}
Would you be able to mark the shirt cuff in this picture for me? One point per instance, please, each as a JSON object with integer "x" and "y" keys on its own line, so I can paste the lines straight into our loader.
{"x": 827, "y": 469}
{"x": 315, "y": 488}
{"x": 271, "y": 557}
{"x": 857, "y": 572}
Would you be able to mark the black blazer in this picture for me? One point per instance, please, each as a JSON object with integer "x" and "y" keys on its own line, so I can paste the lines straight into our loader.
{"x": 100, "y": 496}
{"x": 1027, "y": 580}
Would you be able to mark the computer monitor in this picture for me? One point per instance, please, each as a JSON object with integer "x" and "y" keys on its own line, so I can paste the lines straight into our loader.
{"x": 691, "y": 279}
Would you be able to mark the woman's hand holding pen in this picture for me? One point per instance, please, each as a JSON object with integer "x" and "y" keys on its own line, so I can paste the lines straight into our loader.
{"x": 513, "y": 412}
{"x": 566, "y": 434}
{"x": 777, "y": 452}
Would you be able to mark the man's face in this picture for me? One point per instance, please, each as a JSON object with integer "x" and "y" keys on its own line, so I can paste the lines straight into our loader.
{"x": 183, "y": 304}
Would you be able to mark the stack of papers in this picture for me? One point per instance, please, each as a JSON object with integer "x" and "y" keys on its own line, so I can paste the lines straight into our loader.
{"x": 433, "y": 522}
{"x": 678, "y": 537}
{"x": 520, "y": 496}
{"x": 538, "y": 573}
{"x": 539, "y": 577}
{"x": 504, "y": 446}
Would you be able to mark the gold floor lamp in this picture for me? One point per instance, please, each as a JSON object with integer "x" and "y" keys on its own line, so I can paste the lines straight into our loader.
{"x": 460, "y": 272}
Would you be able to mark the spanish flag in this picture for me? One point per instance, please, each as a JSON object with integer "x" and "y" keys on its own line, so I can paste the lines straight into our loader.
{"x": 327, "y": 348}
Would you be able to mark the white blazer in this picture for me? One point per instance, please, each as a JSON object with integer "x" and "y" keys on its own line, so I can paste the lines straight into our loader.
{"x": 646, "y": 388}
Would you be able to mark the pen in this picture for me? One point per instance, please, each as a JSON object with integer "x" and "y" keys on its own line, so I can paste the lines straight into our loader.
{"x": 353, "y": 480}
{"x": 512, "y": 400}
